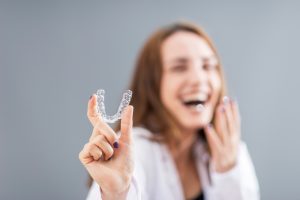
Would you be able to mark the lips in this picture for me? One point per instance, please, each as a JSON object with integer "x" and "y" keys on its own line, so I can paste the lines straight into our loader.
{"x": 195, "y": 105}
{"x": 193, "y": 102}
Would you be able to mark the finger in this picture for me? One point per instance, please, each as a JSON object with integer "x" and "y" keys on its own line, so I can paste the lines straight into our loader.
{"x": 126, "y": 125}
{"x": 85, "y": 156}
{"x": 102, "y": 143}
{"x": 92, "y": 113}
{"x": 229, "y": 116}
{"x": 236, "y": 117}
{"x": 212, "y": 139}
{"x": 220, "y": 123}
{"x": 103, "y": 128}
{"x": 95, "y": 152}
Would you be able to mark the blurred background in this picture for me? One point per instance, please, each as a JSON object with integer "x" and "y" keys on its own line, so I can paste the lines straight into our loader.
{"x": 55, "y": 54}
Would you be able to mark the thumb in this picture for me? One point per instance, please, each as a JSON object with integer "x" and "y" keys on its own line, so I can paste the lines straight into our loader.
{"x": 126, "y": 124}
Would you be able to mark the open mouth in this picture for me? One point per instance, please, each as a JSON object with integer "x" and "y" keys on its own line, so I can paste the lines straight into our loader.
{"x": 194, "y": 102}
{"x": 197, "y": 105}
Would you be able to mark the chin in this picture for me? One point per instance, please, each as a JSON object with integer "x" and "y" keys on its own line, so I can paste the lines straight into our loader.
{"x": 195, "y": 126}
{"x": 200, "y": 123}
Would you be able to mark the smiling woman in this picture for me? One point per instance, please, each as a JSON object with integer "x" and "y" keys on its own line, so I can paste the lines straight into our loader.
{"x": 184, "y": 139}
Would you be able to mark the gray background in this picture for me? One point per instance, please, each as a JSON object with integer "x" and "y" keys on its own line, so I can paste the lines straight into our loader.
{"x": 53, "y": 55}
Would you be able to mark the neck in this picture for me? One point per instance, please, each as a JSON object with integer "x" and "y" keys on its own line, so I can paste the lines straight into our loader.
{"x": 182, "y": 152}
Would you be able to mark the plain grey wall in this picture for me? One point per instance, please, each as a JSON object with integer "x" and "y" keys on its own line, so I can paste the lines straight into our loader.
{"x": 54, "y": 54}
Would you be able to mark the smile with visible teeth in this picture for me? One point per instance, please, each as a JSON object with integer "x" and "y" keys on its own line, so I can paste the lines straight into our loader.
{"x": 196, "y": 101}
{"x": 198, "y": 105}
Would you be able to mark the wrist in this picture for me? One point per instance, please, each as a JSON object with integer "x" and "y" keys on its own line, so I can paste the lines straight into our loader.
{"x": 107, "y": 195}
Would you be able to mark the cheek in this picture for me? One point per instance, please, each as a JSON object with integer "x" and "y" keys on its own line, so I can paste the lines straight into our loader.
{"x": 216, "y": 83}
{"x": 168, "y": 91}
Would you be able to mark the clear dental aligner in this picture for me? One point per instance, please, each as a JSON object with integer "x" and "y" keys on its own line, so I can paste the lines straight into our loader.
{"x": 101, "y": 107}
{"x": 200, "y": 108}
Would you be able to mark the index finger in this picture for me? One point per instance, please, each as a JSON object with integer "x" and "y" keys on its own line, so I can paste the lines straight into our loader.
{"x": 126, "y": 124}
{"x": 92, "y": 113}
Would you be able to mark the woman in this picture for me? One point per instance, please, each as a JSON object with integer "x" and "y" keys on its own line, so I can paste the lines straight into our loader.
{"x": 185, "y": 141}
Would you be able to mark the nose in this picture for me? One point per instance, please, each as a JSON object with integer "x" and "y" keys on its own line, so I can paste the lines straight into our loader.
{"x": 197, "y": 75}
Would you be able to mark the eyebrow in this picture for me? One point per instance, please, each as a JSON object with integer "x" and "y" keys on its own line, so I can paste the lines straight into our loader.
{"x": 185, "y": 60}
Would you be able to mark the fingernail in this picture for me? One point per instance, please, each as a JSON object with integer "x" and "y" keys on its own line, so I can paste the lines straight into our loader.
{"x": 116, "y": 145}
{"x": 226, "y": 99}
{"x": 91, "y": 97}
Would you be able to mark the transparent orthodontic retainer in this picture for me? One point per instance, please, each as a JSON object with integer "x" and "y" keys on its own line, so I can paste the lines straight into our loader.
{"x": 101, "y": 107}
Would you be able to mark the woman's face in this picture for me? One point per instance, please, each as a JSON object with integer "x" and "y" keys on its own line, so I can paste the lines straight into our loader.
{"x": 191, "y": 83}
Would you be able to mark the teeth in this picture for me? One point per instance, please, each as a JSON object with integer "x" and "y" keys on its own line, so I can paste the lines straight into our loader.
{"x": 200, "y": 107}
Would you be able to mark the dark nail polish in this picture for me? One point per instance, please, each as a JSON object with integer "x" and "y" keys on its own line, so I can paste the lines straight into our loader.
{"x": 116, "y": 145}
{"x": 91, "y": 96}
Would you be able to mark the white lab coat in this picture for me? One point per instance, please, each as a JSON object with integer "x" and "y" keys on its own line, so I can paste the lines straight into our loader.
{"x": 155, "y": 175}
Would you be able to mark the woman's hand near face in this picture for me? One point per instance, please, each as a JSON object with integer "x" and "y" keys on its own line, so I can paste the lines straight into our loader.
{"x": 108, "y": 160}
{"x": 224, "y": 137}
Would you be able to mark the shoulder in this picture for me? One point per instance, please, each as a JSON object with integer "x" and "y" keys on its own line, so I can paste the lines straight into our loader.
{"x": 142, "y": 140}
{"x": 141, "y": 132}
{"x": 145, "y": 148}
{"x": 143, "y": 136}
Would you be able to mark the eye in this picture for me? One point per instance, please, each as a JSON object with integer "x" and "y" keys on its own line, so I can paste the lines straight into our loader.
{"x": 210, "y": 66}
{"x": 178, "y": 68}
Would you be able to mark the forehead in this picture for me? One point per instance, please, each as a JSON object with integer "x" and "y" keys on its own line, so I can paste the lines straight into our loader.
{"x": 185, "y": 44}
